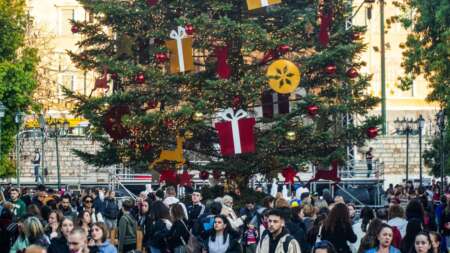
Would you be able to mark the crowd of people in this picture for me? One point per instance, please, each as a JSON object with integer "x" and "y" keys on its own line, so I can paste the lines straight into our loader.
{"x": 44, "y": 221}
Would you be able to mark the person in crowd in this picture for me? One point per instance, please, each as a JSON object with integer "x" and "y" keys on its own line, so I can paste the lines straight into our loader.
{"x": 35, "y": 249}
{"x": 250, "y": 239}
{"x": 223, "y": 238}
{"x": 59, "y": 244}
{"x": 36, "y": 163}
{"x": 436, "y": 242}
{"x": 277, "y": 237}
{"x": 85, "y": 222}
{"x": 6, "y": 221}
{"x": 369, "y": 239}
{"x": 157, "y": 228}
{"x": 422, "y": 243}
{"x": 111, "y": 213}
{"x": 35, "y": 232}
{"x": 127, "y": 228}
{"x": 360, "y": 226}
{"x": 143, "y": 213}
{"x": 412, "y": 230}
{"x": 337, "y": 228}
{"x": 397, "y": 219}
{"x": 227, "y": 210}
{"x": 179, "y": 232}
{"x": 313, "y": 235}
{"x": 352, "y": 212}
{"x": 309, "y": 215}
{"x": 99, "y": 201}
{"x": 383, "y": 242}
{"x": 19, "y": 207}
{"x": 99, "y": 241}
{"x": 87, "y": 204}
{"x": 21, "y": 241}
{"x": 414, "y": 210}
{"x": 323, "y": 247}
{"x": 54, "y": 222}
{"x": 77, "y": 241}
{"x": 205, "y": 223}
{"x": 66, "y": 208}
{"x": 195, "y": 210}
{"x": 171, "y": 198}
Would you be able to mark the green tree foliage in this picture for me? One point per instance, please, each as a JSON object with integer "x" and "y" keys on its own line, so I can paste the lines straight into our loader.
{"x": 17, "y": 74}
{"x": 427, "y": 53}
{"x": 142, "y": 28}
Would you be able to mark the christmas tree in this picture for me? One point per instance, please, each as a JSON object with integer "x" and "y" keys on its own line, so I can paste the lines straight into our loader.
{"x": 275, "y": 83}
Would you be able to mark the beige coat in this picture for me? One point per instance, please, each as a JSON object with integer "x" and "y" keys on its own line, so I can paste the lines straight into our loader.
{"x": 263, "y": 247}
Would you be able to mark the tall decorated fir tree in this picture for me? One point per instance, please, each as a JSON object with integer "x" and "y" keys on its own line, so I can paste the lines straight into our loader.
{"x": 248, "y": 86}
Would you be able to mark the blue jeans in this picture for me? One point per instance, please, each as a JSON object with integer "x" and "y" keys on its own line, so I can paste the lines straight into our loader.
{"x": 154, "y": 250}
{"x": 37, "y": 176}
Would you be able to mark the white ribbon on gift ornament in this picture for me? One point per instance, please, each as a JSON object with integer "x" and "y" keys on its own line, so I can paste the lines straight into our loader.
{"x": 276, "y": 107}
{"x": 229, "y": 115}
{"x": 264, "y": 3}
{"x": 179, "y": 36}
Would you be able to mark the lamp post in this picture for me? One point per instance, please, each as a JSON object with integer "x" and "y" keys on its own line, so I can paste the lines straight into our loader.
{"x": 440, "y": 118}
{"x": 420, "y": 126}
{"x": 18, "y": 120}
{"x": 2, "y": 115}
{"x": 42, "y": 126}
{"x": 404, "y": 127}
{"x": 57, "y": 126}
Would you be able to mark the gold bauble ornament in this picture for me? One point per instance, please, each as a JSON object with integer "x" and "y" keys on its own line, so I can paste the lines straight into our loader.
{"x": 291, "y": 136}
{"x": 188, "y": 134}
{"x": 198, "y": 116}
{"x": 284, "y": 76}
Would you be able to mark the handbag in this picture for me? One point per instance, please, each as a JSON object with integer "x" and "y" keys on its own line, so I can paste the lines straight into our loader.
{"x": 192, "y": 245}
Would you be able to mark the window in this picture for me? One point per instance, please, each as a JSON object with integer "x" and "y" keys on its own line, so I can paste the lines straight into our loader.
{"x": 66, "y": 15}
{"x": 68, "y": 82}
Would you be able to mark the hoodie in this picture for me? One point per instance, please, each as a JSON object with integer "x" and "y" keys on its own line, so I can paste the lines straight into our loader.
{"x": 400, "y": 223}
{"x": 106, "y": 247}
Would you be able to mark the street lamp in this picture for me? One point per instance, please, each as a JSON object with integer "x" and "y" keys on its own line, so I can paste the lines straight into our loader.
{"x": 440, "y": 118}
{"x": 420, "y": 125}
{"x": 18, "y": 120}
{"x": 404, "y": 127}
{"x": 2, "y": 115}
{"x": 42, "y": 126}
{"x": 59, "y": 129}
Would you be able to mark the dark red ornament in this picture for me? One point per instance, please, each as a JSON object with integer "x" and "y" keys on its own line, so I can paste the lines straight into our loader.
{"x": 152, "y": 2}
{"x": 204, "y": 175}
{"x": 237, "y": 100}
{"x": 356, "y": 36}
{"x": 217, "y": 174}
{"x": 112, "y": 122}
{"x": 147, "y": 147}
{"x": 161, "y": 57}
{"x": 352, "y": 73}
{"x": 289, "y": 174}
{"x": 169, "y": 176}
{"x": 189, "y": 29}
{"x": 114, "y": 76}
{"x": 312, "y": 110}
{"x": 152, "y": 104}
{"x": 283, "y": 49}
{"x": 326, "y": 17}
{"x": 372, "y": 132}
{"x": 223, "y": 69}
{"x": 330, "y": 69}
{"x": 74, "y": 29}
{"x": 169, "y": 123}
{"x": 185, "y": 179}
{"x": 140, "y": 78}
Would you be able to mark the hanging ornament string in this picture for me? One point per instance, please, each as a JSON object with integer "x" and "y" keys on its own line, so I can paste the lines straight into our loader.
{"x": 178, "y": 37}
{"x": 223, "y": 68}
{"x": 326, "y": 16}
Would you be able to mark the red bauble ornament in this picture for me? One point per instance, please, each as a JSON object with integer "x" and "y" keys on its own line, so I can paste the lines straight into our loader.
{"x": 161, "y": 57}
{"x": 282, "y": 49}
{"x": 152, "y": 104}
{"x": 185, "y": 179}
{"x": 114, "y": 76}
{"x": 330, "y": 69}
{"x": 140, "y": 78}
{"x": 74, "y": 29}
{"x": 352, "y": 73}
{"x": 372, "y": 132}
{"x": 152, "y": 2}
{"x": 289, "y": 174}
{"x": 169, "y": 123}
{"x": 189, "y": 29}
{"x": 312, "y": 110}
{"x": 236, "y": 101}
{"x": 204, "y": 175}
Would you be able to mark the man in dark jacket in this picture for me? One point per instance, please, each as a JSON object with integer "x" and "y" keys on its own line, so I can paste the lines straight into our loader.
{"x": 127, "y": 228}
{"x": 196, "y": 209}
{"x": 66, "y": 208}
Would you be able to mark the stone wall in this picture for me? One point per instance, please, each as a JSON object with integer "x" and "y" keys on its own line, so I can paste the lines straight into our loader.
{"x": 390, "y": 150}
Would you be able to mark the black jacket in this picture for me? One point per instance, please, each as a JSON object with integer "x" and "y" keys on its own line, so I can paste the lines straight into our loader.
{"x": 156, "y": 234}
{"x": 339, "y": 238}
{"x": 58, "y": 245}
{"x": 177, "y": 231}
{"x": 194, "y": 212}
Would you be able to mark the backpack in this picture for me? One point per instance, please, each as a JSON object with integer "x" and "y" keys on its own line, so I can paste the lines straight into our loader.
{"x": 111, "y": 210}
{"x": 207, "y": 224}
{"x": 192, "y": 245}
{"x": 286, "y": 242}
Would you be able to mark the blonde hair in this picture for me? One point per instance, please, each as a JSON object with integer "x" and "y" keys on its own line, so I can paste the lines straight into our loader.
{"x": 33, "y": 228}
{"x": 281, "y": 203}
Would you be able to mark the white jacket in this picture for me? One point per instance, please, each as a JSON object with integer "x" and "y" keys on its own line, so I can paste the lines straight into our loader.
{"x": 400, "y": 223}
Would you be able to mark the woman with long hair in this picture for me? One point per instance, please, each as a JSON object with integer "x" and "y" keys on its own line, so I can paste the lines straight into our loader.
{"x": 35, "y": 233}
{"x": 414, "y": 210}
{"x": 54, "y": 220}
{"x": 85, "y": 222}
{"x": 223, "y": 238}
{"x": 383, "y": 241}
{"x": 157, "y": 228}
{"x": 99, "y": 241}
{"x": 59, "y": 244}
{"x": 412, "y": 230}
{"x": 422, "y": 243}
{"x": 369, "y": 239}
{"x": 337, "y": 228}
{"x": 436, "y": 242}
{"x": 179, "y": 233}
{"x": 360, "y": 227}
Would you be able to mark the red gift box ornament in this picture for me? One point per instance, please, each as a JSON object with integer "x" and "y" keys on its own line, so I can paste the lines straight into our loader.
{"x": 235, "y": 132}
